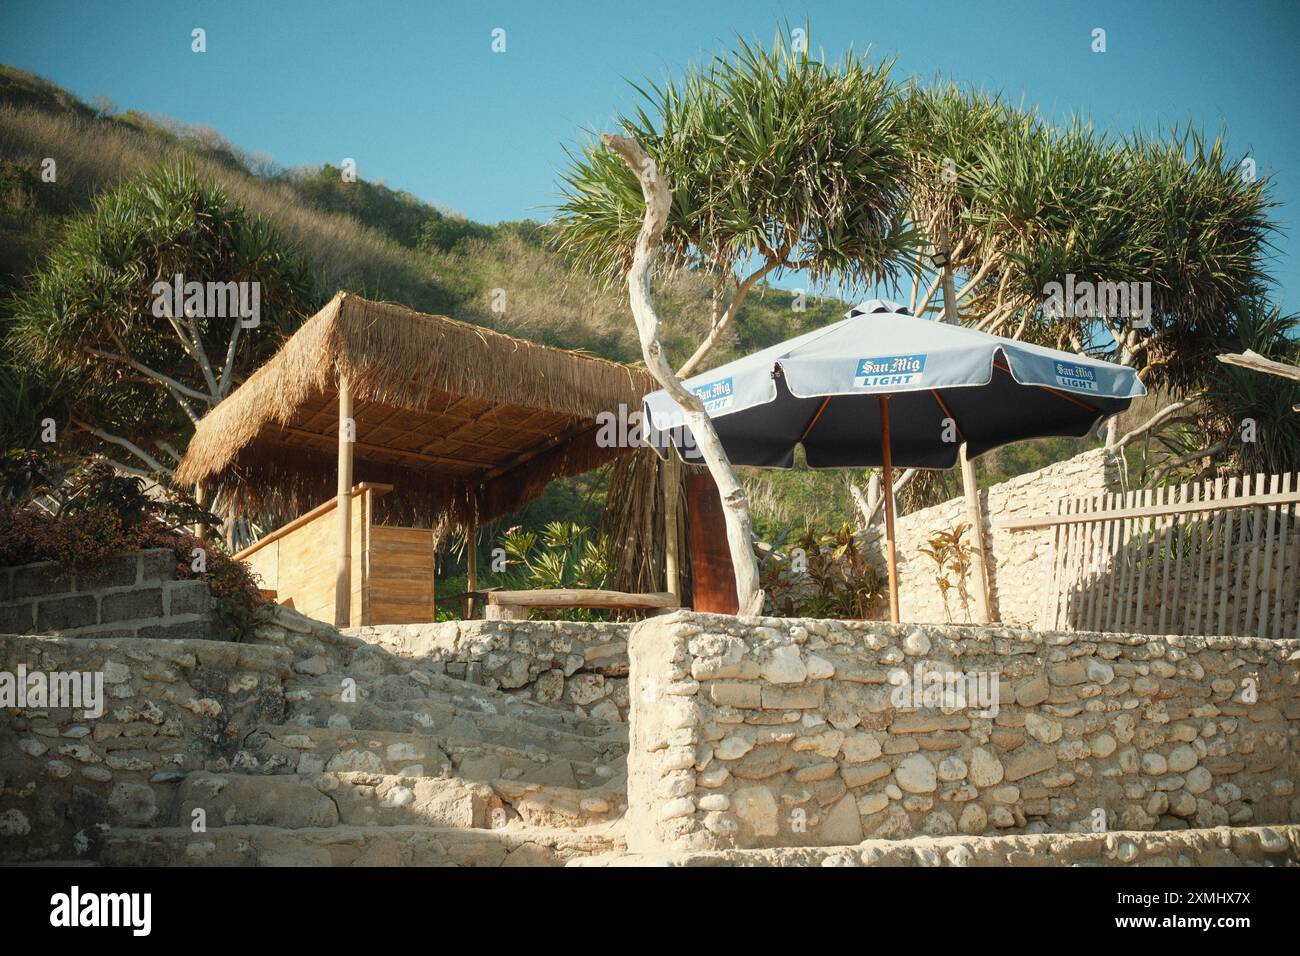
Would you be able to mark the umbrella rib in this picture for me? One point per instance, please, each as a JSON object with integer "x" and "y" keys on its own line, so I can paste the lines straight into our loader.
{"x": 1055, "y": 391}
{"x": 944, "y": 406}
{"x": 816, "y": 415}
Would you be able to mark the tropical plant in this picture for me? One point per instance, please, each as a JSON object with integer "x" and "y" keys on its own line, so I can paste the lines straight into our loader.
{"x": 135, "y": 376}
{"x": 827, "y": 574}
{"x": 561, "y": 555}
{"x": 758, "y": 162}
{"x": 950, "y": 553}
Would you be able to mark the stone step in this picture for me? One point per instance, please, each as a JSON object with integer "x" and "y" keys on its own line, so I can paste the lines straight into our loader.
{"x": 298, "y": 801}
{"x": 281, "y": 748}
{"x": 1215, "y": 846}
{"x": 356, "y": 846}
{"x": 417, "y": 683}
{"x": 320, "y": 704}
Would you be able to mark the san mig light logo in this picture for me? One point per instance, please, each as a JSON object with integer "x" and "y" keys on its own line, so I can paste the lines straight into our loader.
{"x": 890, "y": 370}
{"x": 1078, "y": 377}
{"x": 716, "y": 395}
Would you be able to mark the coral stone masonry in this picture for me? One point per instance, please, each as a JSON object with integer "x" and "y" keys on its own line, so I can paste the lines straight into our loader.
{"x": 770, "y": 732}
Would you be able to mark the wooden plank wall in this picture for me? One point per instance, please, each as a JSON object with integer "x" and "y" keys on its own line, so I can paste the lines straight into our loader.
{"x": 401, "y": 575}
{"x": 392, "y": 567}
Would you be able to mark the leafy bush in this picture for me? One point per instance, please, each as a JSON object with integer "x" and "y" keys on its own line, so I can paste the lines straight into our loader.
{"x": 80, "y": 516}
{"x": 950, "y": 553}
{"x": 828, "y": 575}
{"x": 561, "y": 555}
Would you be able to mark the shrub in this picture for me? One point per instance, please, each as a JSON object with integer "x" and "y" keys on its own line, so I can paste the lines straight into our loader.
{"x": 80, "y": 516}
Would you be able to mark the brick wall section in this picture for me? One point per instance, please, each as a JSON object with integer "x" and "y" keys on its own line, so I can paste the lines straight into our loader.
{"x": 1019, "y": 563}
{"x": 169, "y": 707}
{"x": 134, "y": 595}
{"x": 577, "y": 665}
{"x": 766, "y": 732}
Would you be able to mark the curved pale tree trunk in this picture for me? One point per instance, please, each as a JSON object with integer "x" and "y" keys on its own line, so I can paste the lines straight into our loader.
{"x": 735, "y": 504}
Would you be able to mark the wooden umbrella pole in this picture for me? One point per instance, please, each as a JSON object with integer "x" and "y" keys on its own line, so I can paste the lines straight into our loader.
{"x": 888, "y": 491}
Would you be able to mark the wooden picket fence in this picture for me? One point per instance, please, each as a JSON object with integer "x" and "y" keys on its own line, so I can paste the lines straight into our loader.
{"x": 1204, "y": 558}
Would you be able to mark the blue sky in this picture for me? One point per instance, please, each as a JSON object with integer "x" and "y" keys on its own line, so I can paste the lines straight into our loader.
{"x": 413, "y": 91}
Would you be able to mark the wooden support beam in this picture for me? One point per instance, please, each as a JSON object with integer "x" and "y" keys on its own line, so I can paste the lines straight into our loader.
{"x": 887, "y": 467}
{"x": 343, "y": 549}
{"x": 970, "y": 490}
{"x": 671, "y": 472}
{"x": 471, "y": 563}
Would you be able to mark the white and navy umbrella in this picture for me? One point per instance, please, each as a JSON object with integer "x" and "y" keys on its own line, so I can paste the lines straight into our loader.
{"x": 883, "y": 388}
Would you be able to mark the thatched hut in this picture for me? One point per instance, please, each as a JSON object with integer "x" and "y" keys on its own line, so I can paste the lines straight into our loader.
{"x": 451, "y": 423}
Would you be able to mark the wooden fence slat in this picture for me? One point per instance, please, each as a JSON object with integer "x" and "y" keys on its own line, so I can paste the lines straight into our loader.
{"x": 1114, "y": 566}
{"x": 1215, "y": 524}
{"x": 1266, "y": 561}
{"x": 1188, "y": 540}
{"x": 1077, "y": 572}
{"x": 1229, "y": 518}
{"x": 1168, "y": 559}
{"x": 1126, "y": 566}
{"x": 1200, "y": 532}
{"x": 1144, "y": 554}
{"x": 1239, "y": 583}
{"x": 1256, "y": 527}
{"x": 1281, "y": 605}
{"x": 1046, "y": 606}
{"x": 1176, "y": 541}
{"x": 1071, "y": 575}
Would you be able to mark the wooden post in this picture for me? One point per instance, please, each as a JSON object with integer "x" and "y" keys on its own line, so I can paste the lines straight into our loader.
{"x": 471, "y": 564}
{"x": 888, "y": 491}
{"x": 974, "y": 513}
{"x": 672, "y": 486}
{"x": 343, "y": 552}
{"x": 200, "y": 529}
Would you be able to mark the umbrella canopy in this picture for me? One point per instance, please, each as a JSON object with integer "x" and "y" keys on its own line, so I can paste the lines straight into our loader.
{"x": 822, "y": 390}
{"x": 885, "y": 388}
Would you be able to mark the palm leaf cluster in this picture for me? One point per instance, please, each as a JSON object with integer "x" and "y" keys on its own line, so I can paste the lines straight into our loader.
{"x": 772, "y": 156}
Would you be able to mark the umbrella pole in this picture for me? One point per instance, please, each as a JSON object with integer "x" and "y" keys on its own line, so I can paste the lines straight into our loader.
{"x": 887, "y": 479}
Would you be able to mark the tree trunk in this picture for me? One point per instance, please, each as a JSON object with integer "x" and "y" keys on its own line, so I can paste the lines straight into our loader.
{"x": 735, "y": 504}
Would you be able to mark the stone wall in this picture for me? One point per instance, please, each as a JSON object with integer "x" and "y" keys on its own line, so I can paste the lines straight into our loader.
{"x": 1218, "y": 847}
{"x": 1019, "y": 564}
{"x": 168, "y": 707}
{"x": 768, "y": 732}
{"x": 578, "y": 665}
{"x": 133, "y": 595}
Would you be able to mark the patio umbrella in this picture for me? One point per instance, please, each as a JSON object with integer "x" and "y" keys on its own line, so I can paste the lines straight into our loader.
{"x": 883, "y": 388}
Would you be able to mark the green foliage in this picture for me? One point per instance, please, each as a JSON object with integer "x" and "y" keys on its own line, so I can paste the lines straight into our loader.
{"x": 772, "y": 156}
{"x": 93, "y": 298}
{"x": 950, "y": 553}
{"x": 843, "y": 582}
{"x": 80, "y": 513}
{"x": 561, "y": 555}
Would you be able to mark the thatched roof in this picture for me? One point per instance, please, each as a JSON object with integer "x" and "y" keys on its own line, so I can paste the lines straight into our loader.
{"x": 461, "y": 420}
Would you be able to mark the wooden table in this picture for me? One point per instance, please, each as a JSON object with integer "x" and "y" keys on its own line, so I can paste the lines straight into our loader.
{"x": 514, "y": 605}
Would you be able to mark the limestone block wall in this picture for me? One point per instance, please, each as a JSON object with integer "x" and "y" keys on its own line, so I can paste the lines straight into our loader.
{"x": 770, "y": 732}
{"x": 132, "y": 595}
{"x": 1019, "y": 564}
{"x": 165, "y": 708}
{"x": 578, "y": 665}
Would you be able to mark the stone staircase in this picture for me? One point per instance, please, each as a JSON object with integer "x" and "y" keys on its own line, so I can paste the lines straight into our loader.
{"x": 382, "y": 760}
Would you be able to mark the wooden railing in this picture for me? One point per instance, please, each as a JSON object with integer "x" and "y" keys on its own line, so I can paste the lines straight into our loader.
{"x": 1205, "y": 558}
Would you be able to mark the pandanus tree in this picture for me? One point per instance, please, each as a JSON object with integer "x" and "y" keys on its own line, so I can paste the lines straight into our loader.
{"x": 758, "y": 162}
{"x": 1024, "y": 210}
{"x": 134, "y": 376}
